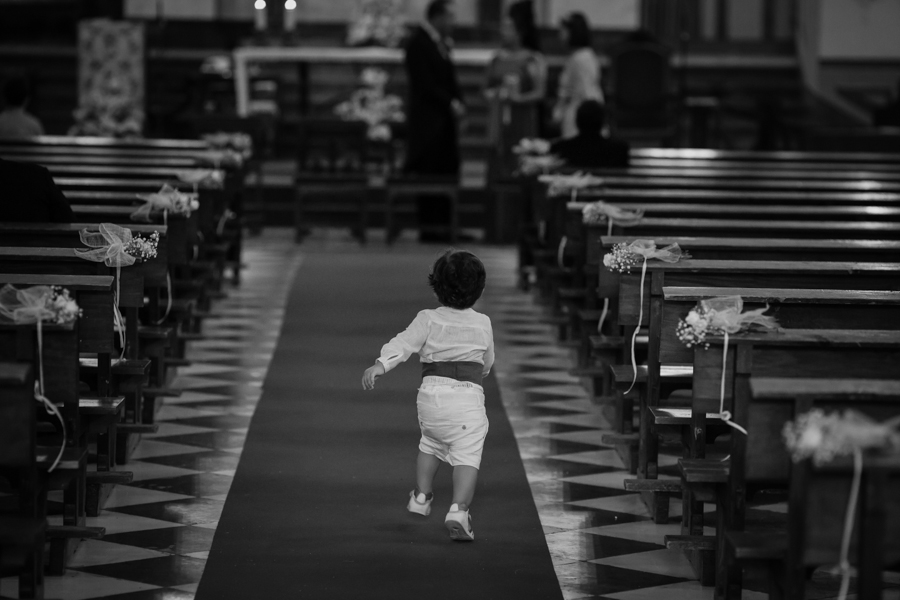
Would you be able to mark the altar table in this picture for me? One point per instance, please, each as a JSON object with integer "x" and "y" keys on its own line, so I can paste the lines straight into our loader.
{"x": 474, "y": 57}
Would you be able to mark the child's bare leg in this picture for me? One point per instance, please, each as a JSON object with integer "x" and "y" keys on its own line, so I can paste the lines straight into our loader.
{"x": 464, "y": 480}
{"x": 426, "y": 467}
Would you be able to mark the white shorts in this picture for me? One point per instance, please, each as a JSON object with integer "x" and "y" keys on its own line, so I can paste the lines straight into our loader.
{"x": 453, "y": 421}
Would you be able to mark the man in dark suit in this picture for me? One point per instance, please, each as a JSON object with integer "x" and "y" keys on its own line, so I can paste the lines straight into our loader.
{"x": 433, "y": 109}
{"x": 590, "y": 148}
{"x": 28, "y": 194}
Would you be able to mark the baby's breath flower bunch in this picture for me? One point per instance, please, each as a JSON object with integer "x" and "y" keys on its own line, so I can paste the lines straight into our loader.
{"x": 143, "y": 248}
{"x": 693, "y": 329}
{"x": 621, "y": 260}
{"x": 823, "y": 437}
{"x": 62, "y": 305}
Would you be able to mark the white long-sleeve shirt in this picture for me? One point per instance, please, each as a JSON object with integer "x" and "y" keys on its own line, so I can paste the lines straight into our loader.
{"x": 443, "y": 335}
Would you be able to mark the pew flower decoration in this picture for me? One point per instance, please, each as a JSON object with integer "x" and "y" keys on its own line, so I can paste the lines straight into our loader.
{"x": 208, "y": 178}
{"x": 625, "y": 256}
{"x": 50, "y": 304}
{"x": 168, "y": 200}
{"x": 373, "y": 106}
{"x": 109, "y": 245}
{"x": 718, "y": 316}
{"x": 824, "y": 437}
{"x": 560, "y": 185}
{"x": 530, "y": 164}
{"x": 620, "y": 259}
{"x": 597, "y": 213}
{"x": 143, "y": 248}
{"x": 238, "y": 142}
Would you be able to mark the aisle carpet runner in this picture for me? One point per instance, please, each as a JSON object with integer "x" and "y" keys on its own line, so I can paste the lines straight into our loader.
{"x": 318, "y": 505}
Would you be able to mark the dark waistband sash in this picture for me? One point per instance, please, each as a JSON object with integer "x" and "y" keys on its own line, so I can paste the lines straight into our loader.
{"x": 459, "y": 370}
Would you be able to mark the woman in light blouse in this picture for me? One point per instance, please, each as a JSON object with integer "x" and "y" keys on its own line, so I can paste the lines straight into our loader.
{"x": 580, "y": 79}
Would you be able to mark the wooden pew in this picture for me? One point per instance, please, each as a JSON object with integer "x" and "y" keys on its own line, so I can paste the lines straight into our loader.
{"x": 148, "y": 345}
{"x": 759, "y": 458}
{"x": 24, "y": 527}
{"x": 818, "y": 496}
{"x": 59, "y": 353}
{"x": 804, "y": 309}
{"x": 708, "y": 273}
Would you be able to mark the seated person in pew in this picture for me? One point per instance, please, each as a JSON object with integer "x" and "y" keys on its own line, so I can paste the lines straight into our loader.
{"x": 590, "y": 149}
{"x": 456, "y": 345}
{"x": 30, "y": 195}
{"x": 15, "y": 121}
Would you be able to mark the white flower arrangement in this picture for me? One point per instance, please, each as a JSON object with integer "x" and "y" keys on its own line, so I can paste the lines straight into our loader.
{"x": 621, "y": 259}
{"x": 718, "y": 316}
{"x": 693, "y": 329}
{"x": 824, "y": 437}
{"x": 371, "y": 105}
{"x": 143, "y": 248}
{"x": 63, "y": 306}
{"x": 167, "y": 200}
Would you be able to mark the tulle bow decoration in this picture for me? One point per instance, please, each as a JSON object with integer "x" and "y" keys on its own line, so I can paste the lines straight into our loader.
{"x": 239, "y": 142}
{"x": 109, "y": 245}
{"x": 543, "y": 163}
{"x": 598, "y": 212}
{"x": 562, "y": 184}
{"x": 26, "y": 306}
{"x": 167, "y": 200}
{"x": 647, "y": 248}
{"x": 210, "y": 178}
{"x": 725, "y": 313}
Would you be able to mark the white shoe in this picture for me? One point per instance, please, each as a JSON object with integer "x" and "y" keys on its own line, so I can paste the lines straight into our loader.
{"x": 421, "y": 505}
{"x": 459, "y": 523}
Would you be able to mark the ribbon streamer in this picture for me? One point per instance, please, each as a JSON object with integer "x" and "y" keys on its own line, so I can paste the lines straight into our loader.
{"x": 844, "y": 564}
{"x": 28, "y": 306}
{"x": 647, "y": 249}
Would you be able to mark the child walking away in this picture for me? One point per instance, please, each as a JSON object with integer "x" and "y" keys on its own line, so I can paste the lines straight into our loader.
{"x": 456, "y": 348}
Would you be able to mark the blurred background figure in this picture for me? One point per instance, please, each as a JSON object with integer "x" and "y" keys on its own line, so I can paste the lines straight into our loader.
{"x": 433, "y": 110}
{"x": 15, "y": 121}
{"x": 580, "y": 79}
{"x": 517, "y": 79}
{"x": 30, "y": 195}
{"x": 590, "y": 148}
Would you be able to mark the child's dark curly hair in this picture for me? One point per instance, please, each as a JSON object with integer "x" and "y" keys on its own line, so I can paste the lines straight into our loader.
{"x": 457, "y": 278}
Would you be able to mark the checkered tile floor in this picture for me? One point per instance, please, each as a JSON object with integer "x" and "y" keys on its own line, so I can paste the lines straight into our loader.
{"x": 160, "y": 527}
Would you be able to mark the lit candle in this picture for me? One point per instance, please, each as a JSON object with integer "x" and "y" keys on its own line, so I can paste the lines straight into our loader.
{"x": 261, "y": 15}
{"x": 290, "y": 18}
